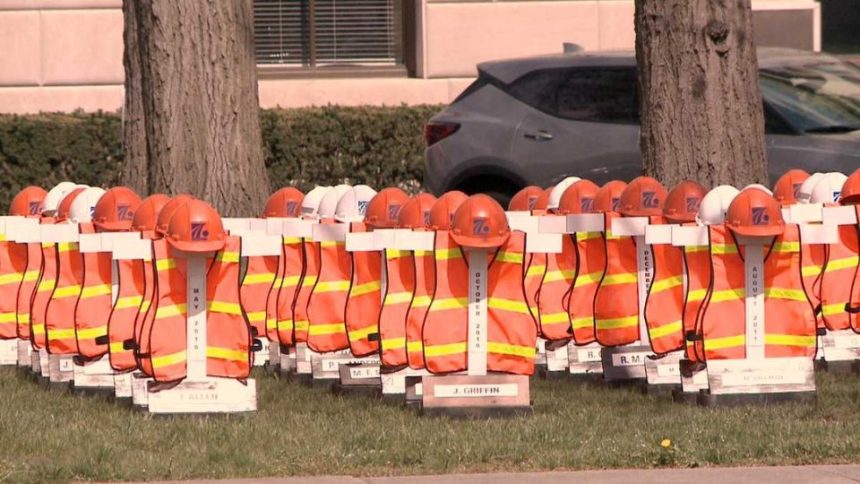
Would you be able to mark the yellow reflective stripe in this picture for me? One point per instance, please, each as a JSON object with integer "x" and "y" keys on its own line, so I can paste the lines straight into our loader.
{"x": 262, "y": 278}
{"x": 47, "y": 245}
{"x": 789, "y": 340}
{"x": 666, "y": 284}
{"x": 725, "y": 342}
{"x": 555, "y": 276}
{"x": 786, "y": 247}
{"x": 397, "y": 298}
{"x": 227, "y": 354}
{"x": 59, "y": 334}
{"x": 833, "y": 309}
{"x": 128, "y": 302}
{"x": 46, "y": 286}
{"x": 117, "y": 347}
{"x": 165, "y": 264}
{"x": 511, "y": 350}
{"x": 292, "y": 240}
{"x": 697, "y": 295}
{"x": 720, "y": 249}
{"x": 223, "y": 307}
{"x": 63, "y": 292}
{"x": 366, "y": 288}
{"x": 145, "y": 306}
{"x": 331, "y": 243}
{"x": 290, "y": 281}
{"x": 431, "y": 351}
{"x": 168, "y": 311}
{"x": 225, "y": 256}
{"x": 395, "y": 253}
{"x": 23, "y": 318}
{"x": 690, "y": 249}
{"x": 7, "y": 318}
{"x": 393, "y": 343}
{"x": 512, "y": 257}
{"x": 421, "y": 301}
{"x": 67, "y": 246}
{"x": 302, "y": 325}
{"x": 421, "y": 253}
{"x": 309, "y": 281}
{"x": 30, "y": 276}
{"x": 271, "y": 323}
{"x": 38, "y": 328}
{"x": 617, "y": 323}
{"x": 12, "y": 278}
{"x": 323, "y": 329}
{"x": 781, "y": 293}
{"x": 586, "y": 279}
{"x": 508, "y": 305}
{"x": 727, "y": 295}
{"x": 94, "y": 291}
{"x": 579, "y": 323}
{"x": 331, "y": 286}
{"x": 666, "y": 329}
{"x": 444, "y": 254}
{"x": 536, "y": 270}
{"x": 92, "y": 333}
{"x": 284, "y": 324}
{"x": 167, "y": 360}
{"x": 414, "y": 346}
{"x": 256, "y": 316}
{"x": 839, "y": 264}
{"x": 580, "y": 236}
{"x": 624, "y": 278}
{"x": 363, "y": 333}
{"x": 449, "y": 303}
{"x": 812, "y": 270}
{"x": 554, "y": 318}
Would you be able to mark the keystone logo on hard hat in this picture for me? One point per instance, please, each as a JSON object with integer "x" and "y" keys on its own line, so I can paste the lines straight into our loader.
{"x": 362, "y": 207}
{"x": 532, "y": 201}
{"x": 650, "y": 199}
{"x": 198, "y": 231}
{"x": 837, "y": 196}
{"x": 427, "y": 217}
{"x": 796, "y": 189}
{"x": 616, "y": 204}
{"x": 760, "y": 216}
{"x": 291, "y": 206}
{"x": 35, "y": 208}
{"x": 586, "y": 205}
{"x": 393, "y": 211}
{"x": 480, "y": 227}
{"x": 123, "y": 212}
{"x": 693, "y": 204}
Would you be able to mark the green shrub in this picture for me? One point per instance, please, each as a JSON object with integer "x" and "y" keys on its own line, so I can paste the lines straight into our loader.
{"x": 378, "y": 146}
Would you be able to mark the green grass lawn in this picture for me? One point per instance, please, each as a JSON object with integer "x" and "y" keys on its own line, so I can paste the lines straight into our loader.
{"x": 303, "y": 431}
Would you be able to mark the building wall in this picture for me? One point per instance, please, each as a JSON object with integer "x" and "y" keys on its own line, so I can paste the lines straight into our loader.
{"x": 62, "y": 55}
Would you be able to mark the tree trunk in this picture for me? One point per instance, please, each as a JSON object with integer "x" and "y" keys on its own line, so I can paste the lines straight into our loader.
{"x": 192, "y": 115}
{"x": 698, "y": 84}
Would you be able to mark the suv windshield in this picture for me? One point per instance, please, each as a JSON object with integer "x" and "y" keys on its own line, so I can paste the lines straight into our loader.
{"x": 815, "y": 98}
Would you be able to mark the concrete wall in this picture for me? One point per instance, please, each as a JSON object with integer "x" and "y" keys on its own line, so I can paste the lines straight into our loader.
{"x": 62, "y": 55}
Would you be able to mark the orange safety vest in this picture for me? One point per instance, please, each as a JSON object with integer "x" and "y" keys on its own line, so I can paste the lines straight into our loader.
{"x": 425, "y": 279}
{"x": 59, "y": 327}
{"x": 853, "y": 306}
{"x": 146, "y": 270}
{"x": 164, "y": 345}
{"x": 121, "y": 324}
{"x": 697, "y": 264}
{"x": 553, "y": 307}
{"x": 310, "y": 276}
{"x": 256, "y": 286}
{"x": 94, "y": 303}
{"x": 812, "y": 258}
{"x": 228, "y": 333}
{"x": 590, "y": 263}
{"x": 327, "y": 302}
{"x": 292, "y": 269}
{"x": 664, "y": 306}
{"x": 616, "y": 302}
{"x": 27, "y": 288}
{"x": 511, "y": 328}
{"x": 837, "y": 276}
{"x": 532, "y": 279}
{"x": 364, "y": 300}
{"x": 445, "y": 331}
{"x": 39, "y": 306}
{"x": 399, "y": 289}
{"x": 13, "y": 263}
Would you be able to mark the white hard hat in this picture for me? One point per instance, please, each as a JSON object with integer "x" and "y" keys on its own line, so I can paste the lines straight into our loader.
{"x": 558, "y": 191}
{"x": 353, "y": 204}
{"x": 311, "y": 202}
{"x": 804, "y": 194}
{"x": 328, "y": 204}
{"x": 56, "y": 195}
{"x": 828, "y": 189}
{"x": 84, "y": 205}
{"x": 715, "y": 204}
{"x": 760, "y": 187}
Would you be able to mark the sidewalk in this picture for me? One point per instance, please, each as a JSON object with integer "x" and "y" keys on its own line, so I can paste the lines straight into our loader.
{"x": 835, "y": 474}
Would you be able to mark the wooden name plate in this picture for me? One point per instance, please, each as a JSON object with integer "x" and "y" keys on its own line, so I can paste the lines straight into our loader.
{"x": 215, "y": 395}
{"x": 475, "y": 396}
{"x": 665, "y": 370}
{"x": 624, "y": 362}
{"x": 24, "y": 351}
{"x": 8, "y": 352}
{"x": 585, "y": 360}
{"x": 841, "y": 346}
{"x": 139, "y": 390}
{"x": 769, "y": 375}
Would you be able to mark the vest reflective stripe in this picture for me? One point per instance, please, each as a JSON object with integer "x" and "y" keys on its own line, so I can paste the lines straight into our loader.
{"x": 727, "y": 342}
{"x": 535, "y": 270}
{"x": 255, "y": 279}
{"x": 421, "y": 301}
{"x": 224, "y": 307}
{"x": 327, "y": 302}
{"x": 7, "y": 318}
{"x": 616, "y": 302}
{"x": 666, "y": 330}
{"x": 444, "y": 335}
{"x": 168, "y": 360}
{"x": 555, "y": 318}
{"x": 790, "y": 340}
{"x": 666, "y": 284}
{"x": 363, "y": 333}
{"x": 397, "y": 298}
{"x": 325, "y": 329}
{"x": 511, "y": 350}
{"x": 225, "y": 256}
{"x": 789, "y": 294}
{"x": 834, "y": 309}
{"x": 331, "y": 286}
{"x": 811, "y": 270}
{"x": 228, "y": 334}
{"x": 697, "y": 295}
{"x": 67, "y": 246}
{"x": 727, "y": 295}
{"x": 13, "y": 278}
{"x": 614, "y": 279}
{"x": 46, "y": 286}
{"x": 508, "y": 305}
{"x": 431, "y": 351}
{"x": 553, "y": 276}
{"x": 128, "y": 302}
{"x": 617, "y": 323}
{"x": 165, "y": 264}
{"x": 583, "y": 236}
{"x": 450, "y": 253}
{"x": 94, "y": 291}
{"x": 449, "y": 303}
{"x": 169, "y": 311}
{"x": 393, "y": 344}
{"x": 61, "y": 334}
{"x": 840, "y": 264}
{"x": 258, "y": 317}
{"x": 582, "y": 323}
{"x": 91, "y": 333}
{"x": 366, "y": 288}
{"x": 552, "y": 299}
{"x": 226, "y": 354}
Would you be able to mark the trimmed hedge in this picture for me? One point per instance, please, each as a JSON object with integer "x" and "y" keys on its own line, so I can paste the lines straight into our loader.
{"x": 378, "y": 146}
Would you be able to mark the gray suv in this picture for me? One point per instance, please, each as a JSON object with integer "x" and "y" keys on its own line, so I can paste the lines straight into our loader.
{"x": 537, "y": 120}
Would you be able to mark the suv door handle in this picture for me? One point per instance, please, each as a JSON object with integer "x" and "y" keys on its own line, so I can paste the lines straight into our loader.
{"x": 540, "y": 135}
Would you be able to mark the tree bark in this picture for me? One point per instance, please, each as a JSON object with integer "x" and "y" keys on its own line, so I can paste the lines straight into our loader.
{"x": 191, "y": 113}
{"x": 701, "y": 108}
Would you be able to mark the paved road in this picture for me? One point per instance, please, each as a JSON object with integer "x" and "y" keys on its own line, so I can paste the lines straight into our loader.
{"x": 827, "y": 474}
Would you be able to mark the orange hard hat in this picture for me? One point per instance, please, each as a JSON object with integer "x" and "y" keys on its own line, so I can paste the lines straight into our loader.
{"x": 786, "y": 188}
{"x": 146, "y": 217}
{"x": 851, "y": 189}
{"x": 28, "y": 202}
{"x": 442, "y": 213}
{"x": 384, "y": 207}
{"x": 167, "y": 211}
{"x": 415, "y": 214}
{"x": 286, "y": 202}
{"x": 196, "y": 227}
{"x": 609, "y": 197}
{"x": 525, "y": 199}
{"x": 754, "y": 212}
{"x": 682, "y": 203}
{"x": 115, "y": 209}
{"x": 542, "y": 202}
{"x": 66, "y": 204}
{"x": 480, "y": 222}
{"x": 578, "y": 198}
{"x": 643, "y": 197}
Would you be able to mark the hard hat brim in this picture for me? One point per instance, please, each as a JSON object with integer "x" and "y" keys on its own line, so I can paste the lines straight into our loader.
{"x": 114, "y": 226}
{"x": 197, "y": 245}
{"x": 758, "y": 231}
{"x": 850, "y": 200}
{"x": 480, "y": 242}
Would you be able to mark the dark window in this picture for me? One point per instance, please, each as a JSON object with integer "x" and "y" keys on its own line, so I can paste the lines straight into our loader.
{"x": 328, "y": 33}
